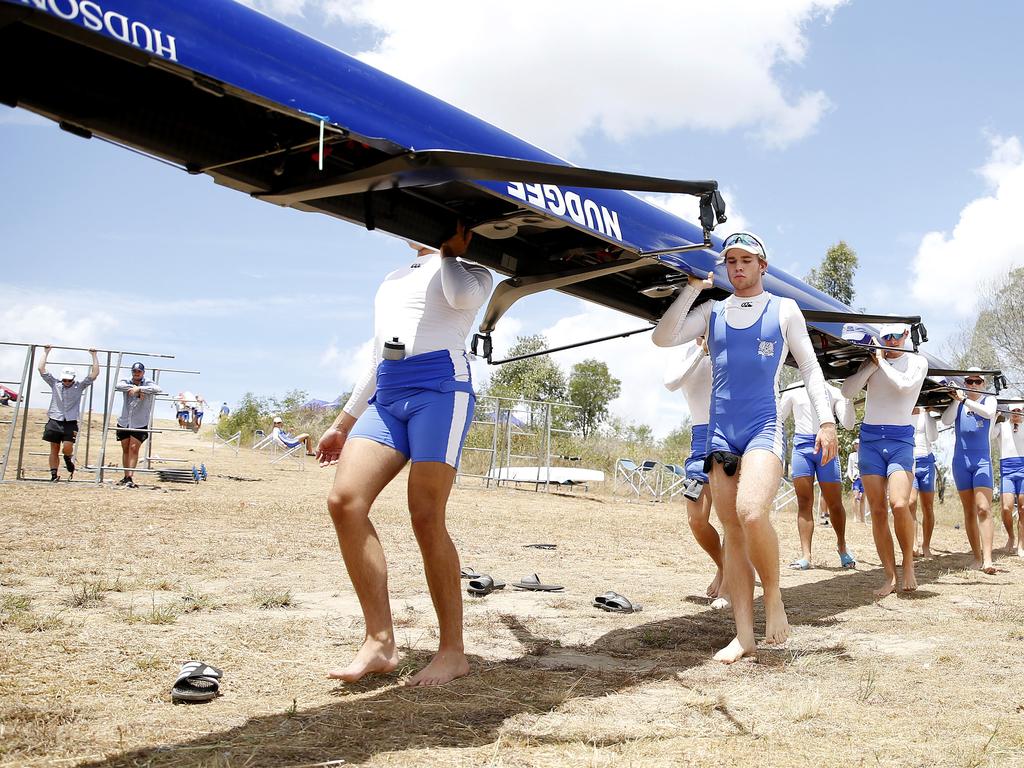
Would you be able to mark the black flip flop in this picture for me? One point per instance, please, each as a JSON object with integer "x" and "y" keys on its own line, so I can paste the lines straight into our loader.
{"x": 533, "y": 584}
{"x": 483, "y": 585}
{"x": 197, "y": 681}
{"x": 469, "y": 573}
{"x": 619, "y": 604}
{"x": 602, "y": 600}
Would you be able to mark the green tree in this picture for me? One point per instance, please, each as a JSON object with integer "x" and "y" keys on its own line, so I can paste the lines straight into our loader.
{"x": 835, "y": 274}
{"x": 535, "y": 378}
{"x": 591, "y": 388}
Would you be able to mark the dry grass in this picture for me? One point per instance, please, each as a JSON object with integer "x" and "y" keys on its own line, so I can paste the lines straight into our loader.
{"x": 104, "y": 593}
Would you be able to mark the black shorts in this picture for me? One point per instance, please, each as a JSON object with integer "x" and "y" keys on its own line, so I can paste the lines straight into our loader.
{"x": 57, "y": 431}
{"x": 138, "y": 434}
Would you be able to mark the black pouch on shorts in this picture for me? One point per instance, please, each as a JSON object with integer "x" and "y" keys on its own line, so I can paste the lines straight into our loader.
{"x": 730, "y": 462}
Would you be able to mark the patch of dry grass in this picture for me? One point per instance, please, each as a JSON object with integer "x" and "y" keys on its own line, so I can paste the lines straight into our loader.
{"x": 928, "y": 680}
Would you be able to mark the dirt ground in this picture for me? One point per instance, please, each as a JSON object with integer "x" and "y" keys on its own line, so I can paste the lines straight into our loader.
{"x": 105, "y": 592}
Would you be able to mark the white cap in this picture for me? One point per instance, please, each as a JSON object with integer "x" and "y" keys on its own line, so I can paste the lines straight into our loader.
{"x": 278, "y": 420}
{"x": 67, "y": 373}
{"x": 892, "y": 329}
{"x": 977, "y": 370}
{"x": 743, "y": 241}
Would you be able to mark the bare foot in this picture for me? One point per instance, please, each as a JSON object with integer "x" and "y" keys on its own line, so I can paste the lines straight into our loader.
{"x": 374, "y": 657}
{"x": 918, "y": 552}
{"x": 887, "y": 588}
{"x": 443, "y": 668}
{"x": 1011, "y": 547}
{"x": 988, "y": 568}
{"x": 716, "y": 585}
{"x": 776, "y": 625}
{"x": 909, "y": 579}
{"x": 721, "y": 602}
{"x": 735, "y": 651}
{"x": 1020, "y": 550}
{"x": 926, "y": 553}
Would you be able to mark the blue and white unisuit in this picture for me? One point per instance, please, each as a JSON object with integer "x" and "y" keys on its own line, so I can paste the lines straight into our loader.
{"x": 420, "y": 407}
{"x": 1011, "y": 458}
{"x": 887, "y": 434}
{"x": 972, "y": 456}
{"x": 746, "y": 363}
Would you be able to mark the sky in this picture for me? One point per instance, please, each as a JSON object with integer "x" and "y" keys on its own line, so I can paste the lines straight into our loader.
{"x": 895, "y": 126}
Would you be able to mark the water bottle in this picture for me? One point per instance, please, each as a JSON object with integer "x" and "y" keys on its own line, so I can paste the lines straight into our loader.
{"x": 394, "y": 349}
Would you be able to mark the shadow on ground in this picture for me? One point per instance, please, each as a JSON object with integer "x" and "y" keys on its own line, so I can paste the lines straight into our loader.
{"x": 379, "y": 716}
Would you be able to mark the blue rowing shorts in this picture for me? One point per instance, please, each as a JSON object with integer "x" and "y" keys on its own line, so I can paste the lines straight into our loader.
{"x": 1011, "y": 476}
{"x": 421, "y": 409}
{"x": 924, "y": 473}
{"x": 694, "y": 464}
{"x": 807, "y": 463}
{"x": 885, "y": 449}
{"x": 972, "y": 469}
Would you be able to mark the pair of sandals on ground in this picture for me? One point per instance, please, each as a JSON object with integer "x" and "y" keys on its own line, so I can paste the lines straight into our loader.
{"x": 127, "y": 482}
{"x": 481, "y": 585}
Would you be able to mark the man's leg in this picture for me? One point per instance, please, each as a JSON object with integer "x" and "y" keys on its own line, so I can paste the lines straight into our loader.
{"x": 1006, "y": 506}
{"x": 900, "y": 484}
{"x": 971, "y": 525}
{"x": 986, "y": 526}
{"x": 133, "y": 454}
{"x": 760, "y": 474}
{"x": 69, "y": 464}
{"x": 126, "y": 452}
{"x": 1020, "y": 526}
{"x": 364, "y": 468}
{"x": 804, "y": 487}
{"x": 54, "y": 458}
{"x": 874, "y": 490}
{"x": 738, "y": 574}
{"x": 698, "y": 515}
{"x": 927, "y": 521}
{"x": 430, "y": 483}
{"x": 832, "y": 493}
{"x": 913, "y": 514}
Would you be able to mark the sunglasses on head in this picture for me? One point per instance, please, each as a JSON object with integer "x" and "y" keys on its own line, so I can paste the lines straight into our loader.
{"x": 742, "y": 238}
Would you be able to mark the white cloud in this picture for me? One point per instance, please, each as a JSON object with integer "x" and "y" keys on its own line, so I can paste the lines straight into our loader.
{"x": 35, "y": 321}
{"x": 635, "y": 361}
{"x": 552, "y": 72}
{"x": 686, "y": 207}
{"x": 987, "y": 241}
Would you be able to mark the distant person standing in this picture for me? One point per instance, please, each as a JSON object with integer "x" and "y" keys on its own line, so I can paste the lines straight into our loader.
{"x": 182, "y": 410}
{"x": 133, "y": 423}
{"x": 224, "y": 410}
{"x": 198, "y": 406}
{"x": 62, "y": 416}
{"x": 856, "y": 486}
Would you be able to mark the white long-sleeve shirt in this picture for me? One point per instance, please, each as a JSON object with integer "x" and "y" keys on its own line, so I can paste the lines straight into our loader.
{"x": 796, "y": 403}
{"x": 926, "y": 432}
{"x": 853, "y": 466}
{"x": 1011, "y": 443}
{"x": 692, "y": 374}
{"x": 984, "y": 407}
{"x": 893, "y": 387}
{"x": 429, "y": 305}
{"x": 680, "y": 325}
